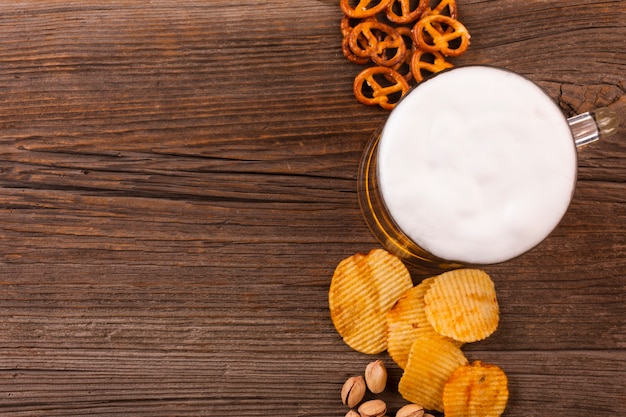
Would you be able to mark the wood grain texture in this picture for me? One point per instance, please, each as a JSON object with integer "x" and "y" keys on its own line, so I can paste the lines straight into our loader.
{"x": 177, "y": 185}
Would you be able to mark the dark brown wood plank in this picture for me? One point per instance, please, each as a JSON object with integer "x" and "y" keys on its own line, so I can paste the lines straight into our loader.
{"x": 177, "y": 184}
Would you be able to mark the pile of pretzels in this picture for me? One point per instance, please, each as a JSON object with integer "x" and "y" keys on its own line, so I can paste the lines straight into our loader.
{"x": 402, "y": 41}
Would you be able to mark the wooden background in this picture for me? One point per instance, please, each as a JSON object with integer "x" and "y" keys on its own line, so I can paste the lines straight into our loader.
{"x": 177, "y": 185}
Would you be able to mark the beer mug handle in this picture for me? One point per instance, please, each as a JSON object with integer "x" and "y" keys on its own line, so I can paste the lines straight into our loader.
{"x": 593, "y": 125}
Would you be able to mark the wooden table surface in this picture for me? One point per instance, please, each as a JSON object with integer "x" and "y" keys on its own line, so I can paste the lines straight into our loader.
{"x": 177, "y": 185}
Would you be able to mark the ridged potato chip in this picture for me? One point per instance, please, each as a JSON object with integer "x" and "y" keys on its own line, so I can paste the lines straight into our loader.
{"x": 390, "y": 275}
{"x": 462, "y": 305}
{"x": 362, "y": 290}
{"x": 406, "y": 321}
{"x": 431, "y": 362}
{"x": 476, "y": 390}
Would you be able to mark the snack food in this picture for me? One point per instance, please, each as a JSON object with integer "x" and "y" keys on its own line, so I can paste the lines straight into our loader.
{"x": 424, "y": 64}
{"x": 407, "y": 321}
{"x": 431, "y": 362}
{"x": 364, "y": 8}
{"x": 404, "y": 66}
{"x": 386, "y": 86}
{"x": 362, "y": 290}
{"x": 443, "y": 7}
{"x": 351, "y": 56}
{"x": 462, "y": 305}
{"x": 443, "y": 34}
{"x": 389, "y": 33}
{"x": 476, "y": 390}
{"x": 383, "y": 44}
{"x": 347, "y": 25}
{"x": 374, "y": 306}
{"x": 376, "y": 376}
{"x": 411, "y": 410}
{"x": 373, "y": 408}
{"x": 404, "y": 12}
{"x": 353, "y": 391}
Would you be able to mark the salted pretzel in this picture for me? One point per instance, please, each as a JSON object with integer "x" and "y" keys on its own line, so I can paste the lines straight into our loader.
{"x": 351, "y": 56}
{"x": 385, "y": 92}
{"x": 405, "y": 40}
{"x": 384, "y": 45}
{"x": 407, "y": 35}
{"x": 427, "y": 62}
{"x": 405, "y": 11}
{"x": 404, "y": 66}
{"x": 433, "y": 34}
{"x": 440, "y": 8}
{"x": 348, "y": 23}
{"x": 364, "y": 8}
{"x": 443, "y": 7}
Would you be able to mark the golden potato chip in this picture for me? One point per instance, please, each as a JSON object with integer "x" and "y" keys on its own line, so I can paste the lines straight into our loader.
{"x": 355, "y": 312}
{"x": 462, "y": 305}
{"x": 406, "y": 321}
{"x": 431, "y": 362}
{"x": 390, "y": 276}
{"x": 363, "y": 289}
{"x": 476, "y": 390}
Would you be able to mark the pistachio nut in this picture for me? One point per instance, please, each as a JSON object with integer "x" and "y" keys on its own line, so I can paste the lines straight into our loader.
{"x": 373, "y": 408}
{"x": 353, "y": 391}
{"x": 411, "y": 410}
{"x": 376, "y": 376}
{"x": 352, "y": 413}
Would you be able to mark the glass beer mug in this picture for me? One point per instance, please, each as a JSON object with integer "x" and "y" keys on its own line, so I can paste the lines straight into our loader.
{"x": 474, "y": 166}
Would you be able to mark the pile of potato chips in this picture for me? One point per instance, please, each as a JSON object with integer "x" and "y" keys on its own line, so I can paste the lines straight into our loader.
{"x": 375, "y": 307}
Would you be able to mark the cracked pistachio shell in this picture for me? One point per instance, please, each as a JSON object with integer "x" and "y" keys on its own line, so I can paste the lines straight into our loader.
{"x": 411, "y": 410}
{"x": 353, "y": 391}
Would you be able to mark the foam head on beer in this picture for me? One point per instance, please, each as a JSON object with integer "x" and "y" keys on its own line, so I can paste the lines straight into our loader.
{"x": 477, "y": 165}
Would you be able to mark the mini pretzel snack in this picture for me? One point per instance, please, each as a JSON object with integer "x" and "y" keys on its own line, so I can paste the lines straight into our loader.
{"x": 384, "y": 83}
{"x": 375, "y": 306}
{"x": 418, "y": 35}
{"x": 438, "y": 33}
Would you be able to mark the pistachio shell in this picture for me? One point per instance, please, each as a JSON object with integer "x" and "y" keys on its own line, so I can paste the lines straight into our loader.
{"x": 353, "y": 391}
{"x": 376, "y": 376}
{"x": 373, "y": 408}
{"x": 411, "y": 410}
